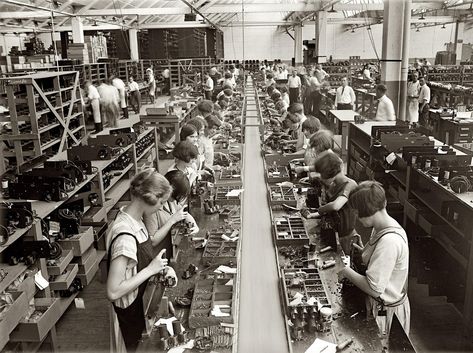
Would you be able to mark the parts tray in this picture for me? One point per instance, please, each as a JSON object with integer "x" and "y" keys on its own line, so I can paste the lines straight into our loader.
{"x": 311, "y": 286}
{"x": 277, "y": 176}
{"x": 221, "y": 192}
{"x": 229, "y": 175}
{"x": 290, "y": 231}
{"x": 210, "y": 291}
{"x": 281, "y": 195}
{"x": 218, "y": 250}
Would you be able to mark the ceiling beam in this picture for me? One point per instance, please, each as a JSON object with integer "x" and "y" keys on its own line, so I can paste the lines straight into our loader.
{"x": 212, "y": 9}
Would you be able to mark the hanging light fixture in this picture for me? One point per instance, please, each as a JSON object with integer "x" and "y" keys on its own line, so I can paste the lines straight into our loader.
{"x": 95, "y": 24}
{"x": 422, "y": 16}
{"x": 443, "y": 26}
{"x": 353, "y": 30}
{"x": 332, "y": 10}
{"x": 417, "y": 30}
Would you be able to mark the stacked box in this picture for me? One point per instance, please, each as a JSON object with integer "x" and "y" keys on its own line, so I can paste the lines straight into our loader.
{"x": 78, "y": 51}
{"x": 219, "y": 250}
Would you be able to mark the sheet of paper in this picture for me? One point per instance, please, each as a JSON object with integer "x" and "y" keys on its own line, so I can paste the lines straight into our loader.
{"x": 234, "y": 193}
{"x": 168, "y": 323}
{"x": 321, "y": 346}
{"x": 40, "y": 281}
{"x": 181, "y": 349}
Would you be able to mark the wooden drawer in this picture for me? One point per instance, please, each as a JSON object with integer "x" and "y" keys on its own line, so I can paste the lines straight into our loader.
{"x": 61, "y": 263}
{"x": 402, "y": 195}
{"x": 79, "y": 243}
{"x": 431, "y": 223}
{"x": 37, "y": 330}
{"x": 89, "y": 276}
{"x": 88, "y": 263}
{"x": 63, "y": 281}
{"x": 12, "y": 316}
{"x": 85, "y": 256}
{"x": 412, "y": 208}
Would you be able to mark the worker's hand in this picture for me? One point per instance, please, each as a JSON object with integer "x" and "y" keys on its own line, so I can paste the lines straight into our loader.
{"x": 159, "y": 263}
{"x": 300, "y": 170}
{"x": 357, "y": 242}
{"x": 179, "y": 215}
{"x": 171, "y": 273}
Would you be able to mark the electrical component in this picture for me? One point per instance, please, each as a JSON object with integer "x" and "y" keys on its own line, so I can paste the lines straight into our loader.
{"x": 90, "y": 153}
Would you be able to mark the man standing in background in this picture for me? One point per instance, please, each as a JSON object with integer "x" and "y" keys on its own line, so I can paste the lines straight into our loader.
{"x": 345, "y": 97}
{"x": 167, "y": 81}
{"x": 208, "y": 85}
{"x": 385, "y": 111}
{"x": 120, "y": 86}
{"x": 424, "y": 100}
{"x": 294, "y": 83}
{"x": 320, "y": 73}
{"x": 413, "y": 89}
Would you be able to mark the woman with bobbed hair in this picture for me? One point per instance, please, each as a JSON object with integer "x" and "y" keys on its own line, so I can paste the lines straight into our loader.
{"x": 385, "y": 259}
{"x": 173, "y": 211}
{"x": 131, "y": 255}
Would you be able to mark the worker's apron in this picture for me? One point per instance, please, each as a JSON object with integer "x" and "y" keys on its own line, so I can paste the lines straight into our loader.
{"x": 131, "y": 319}
{"x": 401, "y": 307}
{"x": 412, "y": 110}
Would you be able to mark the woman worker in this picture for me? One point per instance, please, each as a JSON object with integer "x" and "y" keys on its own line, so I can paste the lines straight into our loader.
{"x": 386, "y": 256}
{"x": 173, "y": 211}
{"x": 131, "y": 258}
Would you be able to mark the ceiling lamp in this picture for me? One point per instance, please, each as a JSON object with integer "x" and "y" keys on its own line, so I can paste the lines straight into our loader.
{"x": 422, "y": 16}
{"x": 95, "y": 24}
{"x": 417, "y": 30}
{"x": 353, "y": 30}
{"x": 332, "y": 10}
{"x": 443, "y": 26}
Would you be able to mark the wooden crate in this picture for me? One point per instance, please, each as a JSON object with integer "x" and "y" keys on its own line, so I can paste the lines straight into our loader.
{"x": 12, "y": 316}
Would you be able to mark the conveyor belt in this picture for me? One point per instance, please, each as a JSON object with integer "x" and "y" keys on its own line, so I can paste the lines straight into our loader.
{"x": 261, "y": 325}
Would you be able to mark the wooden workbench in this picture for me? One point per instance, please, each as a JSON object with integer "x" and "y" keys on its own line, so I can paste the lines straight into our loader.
{"x": 340, "y": 120}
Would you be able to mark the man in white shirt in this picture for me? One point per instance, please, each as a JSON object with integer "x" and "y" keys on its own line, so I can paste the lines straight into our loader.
{"x": 120, "y": 86}
{"x": 167, "y": 81}
{"x": 93, "y": 98}
{"x": 208, "y": 86}
{"x": 385, "y": 111}
{"x": 109, "y": 103}
{"x": 135, "y": 95}
{"x": 424, "y": 100}
{"x": 345, "y": 97}
{"x": 320, "y": 73}
{"x": 294, "y": 83}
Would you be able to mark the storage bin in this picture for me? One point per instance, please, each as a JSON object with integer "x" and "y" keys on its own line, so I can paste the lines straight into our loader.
{"x": 63, "y": 281}
{"x": 79, "y": 243}
{"x": 13, "y": 314}
{"x": 61, "y": 263}
{"x": 37, "y": 330}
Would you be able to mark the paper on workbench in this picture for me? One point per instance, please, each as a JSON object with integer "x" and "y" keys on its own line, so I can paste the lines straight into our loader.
{"x": 234, "y": 193}
{"x": 225, "y": 269}
{"x": 181, "y": 349}
{"x": 168, "y": 323}
{"x": 322, "y": 346}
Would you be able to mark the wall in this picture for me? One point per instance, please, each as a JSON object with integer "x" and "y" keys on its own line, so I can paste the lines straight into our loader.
{"x": 271, "y": 43}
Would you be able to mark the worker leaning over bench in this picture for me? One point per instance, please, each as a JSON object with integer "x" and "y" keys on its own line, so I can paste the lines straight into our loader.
{"x": 383, "y": 274}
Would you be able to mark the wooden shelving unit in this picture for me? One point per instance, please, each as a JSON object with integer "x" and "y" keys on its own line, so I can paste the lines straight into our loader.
{"x": 429, "y": 211}
{"x": 82, "y": 253}
{"x": 46, "y": 115}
